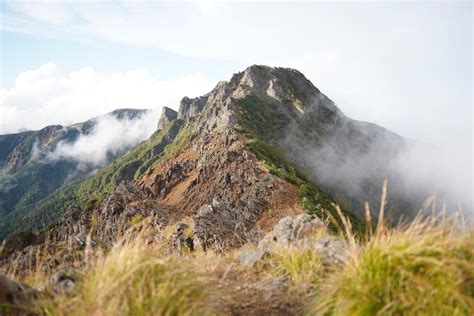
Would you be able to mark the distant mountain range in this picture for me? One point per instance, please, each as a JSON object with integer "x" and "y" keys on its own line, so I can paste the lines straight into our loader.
{"x": 30, "y": 172}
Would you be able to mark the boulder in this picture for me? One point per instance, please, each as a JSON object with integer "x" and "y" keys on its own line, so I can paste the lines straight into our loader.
{"x": 250, "y": 257}
{"x": 15, "y": 297}
{"x": 302, "y": 231}
{"x": 63, "y": 281}
{"x": 291, "y": 229}
{"x": 330, "y": 249}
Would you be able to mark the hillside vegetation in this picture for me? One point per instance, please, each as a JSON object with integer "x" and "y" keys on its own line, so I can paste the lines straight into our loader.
{"x": 89, "y": 191}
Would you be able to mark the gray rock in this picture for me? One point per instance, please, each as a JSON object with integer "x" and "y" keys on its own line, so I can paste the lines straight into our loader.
{"x": 189, "y": 108}
{"x": 63, "y": 281}
{"x": 15, "y": 297}
{"x": 331, "y": 250}
{"x": 290, "y": 229}
{"x": 179, "y": 241}
{"x": 298, "y": 232}
{"x": 250, "y": 257}
{"x": 167, "y": 115}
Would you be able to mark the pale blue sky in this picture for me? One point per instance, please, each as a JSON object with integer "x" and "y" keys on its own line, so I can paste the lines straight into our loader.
{"x": 406, "y": 66}
{"x": 22, "y": 52}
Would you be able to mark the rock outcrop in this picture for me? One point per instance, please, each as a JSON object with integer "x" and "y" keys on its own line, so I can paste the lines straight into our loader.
{"x": 303, "y": 231}
{"x": 167, "y": 115}
{"x": 189, "y": 108}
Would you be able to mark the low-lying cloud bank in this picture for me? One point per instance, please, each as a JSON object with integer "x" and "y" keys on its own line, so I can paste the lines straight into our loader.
{"x": 109, "y": 137}
{"x": 415, "y": 171}
{"x": 443, "y": 171}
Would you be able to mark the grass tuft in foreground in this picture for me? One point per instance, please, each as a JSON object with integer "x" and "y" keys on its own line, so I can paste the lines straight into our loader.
{"x": 132, "y": 279}
{"x": 301, "y": 265}
{"x": 423, "y": 268}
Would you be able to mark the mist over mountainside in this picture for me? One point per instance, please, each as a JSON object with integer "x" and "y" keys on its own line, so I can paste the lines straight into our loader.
{"x": 34, "y": 164}
{"x": 351, "y": 158}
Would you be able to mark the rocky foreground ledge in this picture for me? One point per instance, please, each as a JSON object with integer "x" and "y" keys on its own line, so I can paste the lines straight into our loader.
{"x": 291, "y": 233}
{"x": 298, "y": 268}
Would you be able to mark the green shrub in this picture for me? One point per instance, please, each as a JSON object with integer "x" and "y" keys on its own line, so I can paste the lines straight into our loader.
{"x": 260, "y": 118}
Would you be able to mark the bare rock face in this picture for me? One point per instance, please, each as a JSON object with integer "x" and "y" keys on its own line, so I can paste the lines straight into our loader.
{"x": 189, "y": 108}
{"x": 302, "y": 231}
{"x": 220, "y": 226}
{"x": 291, "y": 230}
{"x": 167, "y": 115}
{"x": 218, "y": 183}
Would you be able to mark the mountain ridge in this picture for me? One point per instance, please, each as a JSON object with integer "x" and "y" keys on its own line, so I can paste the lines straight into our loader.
{"x": 261, "y": 104}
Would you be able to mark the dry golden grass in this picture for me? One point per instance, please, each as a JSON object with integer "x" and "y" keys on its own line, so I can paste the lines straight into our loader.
{"x": 133, "y": 279}
{"x": 425, "y": 267}
{"x": 301, "y": 265}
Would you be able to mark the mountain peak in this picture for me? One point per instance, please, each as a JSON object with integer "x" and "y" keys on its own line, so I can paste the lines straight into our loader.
{"x": 274, "y": 86}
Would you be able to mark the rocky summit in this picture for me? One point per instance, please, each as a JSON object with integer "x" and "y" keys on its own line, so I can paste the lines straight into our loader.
{"x": 260, "y": 160}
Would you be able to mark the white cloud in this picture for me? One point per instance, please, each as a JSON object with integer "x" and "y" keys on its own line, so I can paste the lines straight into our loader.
{"x": 48, "y": 11}
{"x": 110, "y": 136}
{"x": 47, "y": 95}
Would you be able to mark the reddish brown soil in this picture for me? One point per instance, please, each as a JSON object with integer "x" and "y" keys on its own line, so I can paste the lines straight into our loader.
{"x": 282, "y": 205}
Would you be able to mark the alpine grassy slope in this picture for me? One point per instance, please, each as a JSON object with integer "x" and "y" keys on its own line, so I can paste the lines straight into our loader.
{"x": 222, "y": 211}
